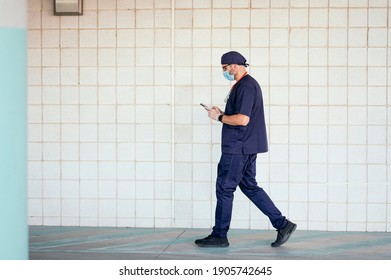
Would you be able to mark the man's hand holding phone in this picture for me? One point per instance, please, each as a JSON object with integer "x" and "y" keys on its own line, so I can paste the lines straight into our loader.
{"x": 207, "y": 108}
{"x": 213, "y": 111}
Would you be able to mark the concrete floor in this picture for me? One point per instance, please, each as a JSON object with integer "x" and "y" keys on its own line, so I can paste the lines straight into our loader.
{"x": 90, "y": 243}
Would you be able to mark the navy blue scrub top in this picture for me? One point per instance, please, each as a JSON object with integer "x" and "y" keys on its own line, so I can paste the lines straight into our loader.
{"x": 245, "y": 98}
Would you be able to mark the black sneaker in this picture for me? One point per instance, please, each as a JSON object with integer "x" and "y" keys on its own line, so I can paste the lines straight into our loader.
{"x": 283, "y": 234}
{"x": 212, "y": 241}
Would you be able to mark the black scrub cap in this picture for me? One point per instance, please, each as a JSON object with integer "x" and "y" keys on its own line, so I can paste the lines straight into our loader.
{"x": 233, "y": 57}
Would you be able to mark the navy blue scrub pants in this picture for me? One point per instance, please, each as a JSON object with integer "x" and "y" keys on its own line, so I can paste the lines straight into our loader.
{"x": 240, "y": 170}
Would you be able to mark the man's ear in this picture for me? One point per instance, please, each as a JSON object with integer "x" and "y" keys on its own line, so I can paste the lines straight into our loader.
{"x": 235, "y": 68}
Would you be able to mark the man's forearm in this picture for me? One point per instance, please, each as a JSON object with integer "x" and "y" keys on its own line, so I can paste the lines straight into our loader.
{"x": 235, "y": 120}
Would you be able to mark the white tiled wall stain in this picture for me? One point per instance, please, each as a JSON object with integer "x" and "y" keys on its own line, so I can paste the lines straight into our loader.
{"x": 117, "y": 138}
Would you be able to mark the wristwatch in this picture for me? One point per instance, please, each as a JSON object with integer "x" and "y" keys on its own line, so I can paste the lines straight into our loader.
{"x": 221, "y": 118}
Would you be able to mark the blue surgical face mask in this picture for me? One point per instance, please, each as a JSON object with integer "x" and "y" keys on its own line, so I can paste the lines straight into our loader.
{"x": 228, "y": 76}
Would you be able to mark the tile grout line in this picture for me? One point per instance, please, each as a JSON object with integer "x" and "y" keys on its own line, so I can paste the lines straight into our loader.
{"x": 164, "y": 250}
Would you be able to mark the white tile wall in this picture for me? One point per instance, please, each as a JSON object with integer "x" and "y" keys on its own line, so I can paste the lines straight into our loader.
{"x": 117, "y": 138}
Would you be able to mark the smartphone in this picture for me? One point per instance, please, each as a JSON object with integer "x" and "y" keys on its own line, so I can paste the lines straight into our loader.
{"x": 206, "y": 107}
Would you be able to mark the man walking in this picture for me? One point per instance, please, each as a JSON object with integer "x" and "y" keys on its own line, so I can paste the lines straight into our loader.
{"x": 243, "y": 137}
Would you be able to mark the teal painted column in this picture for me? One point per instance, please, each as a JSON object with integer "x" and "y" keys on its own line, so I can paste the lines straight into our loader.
{"x": 13, "y": 131}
